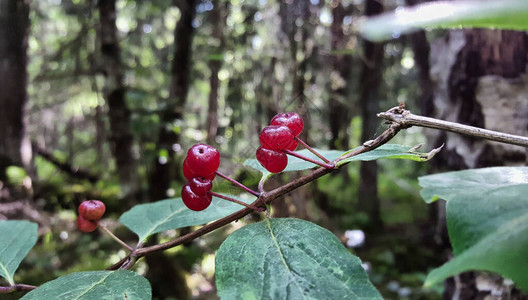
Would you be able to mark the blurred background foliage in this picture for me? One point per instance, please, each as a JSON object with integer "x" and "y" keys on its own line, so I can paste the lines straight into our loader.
{"x": 247, "y": 60}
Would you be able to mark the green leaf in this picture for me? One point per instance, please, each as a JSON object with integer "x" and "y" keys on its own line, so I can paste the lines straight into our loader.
{"x": 121, "y": 284}
{"x": 487, "y": 220}
{"x": 16, "y": 239}
{"x": 289, "y": 259}
{"x": 151, "y": 218}
{"x": 505, "y": 14}
{"x": 384, "y": 151}
{"x": 393, "y": 151}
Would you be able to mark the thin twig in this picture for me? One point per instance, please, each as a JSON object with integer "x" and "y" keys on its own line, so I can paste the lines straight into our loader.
{"x": 245, "y": 188}
{"x": 313, "y": 161}
{"x": 311, "y": 149}
{"x": 105, "y": 229}
{"x": 129, "y": 263}
{"x": 406, "y": 118}
{"x": 261, "y": 185}
{"x": 65, "y": 167}
{"x": 268, "y": 197}
{"x": 257, "y": 209}
{"x": 120, "y": 263}
{"x": 16, "y": 288}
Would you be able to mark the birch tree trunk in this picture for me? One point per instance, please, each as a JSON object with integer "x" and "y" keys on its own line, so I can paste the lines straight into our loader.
{"x": 479, "y": 79}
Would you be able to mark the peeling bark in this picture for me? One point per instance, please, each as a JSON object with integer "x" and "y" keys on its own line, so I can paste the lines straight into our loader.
{"x": 480, "y": 80}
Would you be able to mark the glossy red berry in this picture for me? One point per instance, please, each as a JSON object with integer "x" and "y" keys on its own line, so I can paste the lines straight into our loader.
{"x": 203, "y": 160}
{"x": 293, "y": 146}
{"x": 273, "y": 161}
{"x": 276, "y": 138}
{"x": 86, "y": 225}
{"x": 92, "y": 209}
{"x": 200, "y": 185}
{"x": 292, "y": 120}
{"x": 190, "y": 174}
{"x": 193, "y": 201}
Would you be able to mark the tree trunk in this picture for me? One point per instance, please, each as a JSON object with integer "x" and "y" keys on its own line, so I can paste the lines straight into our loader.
{"x": 163, "y": 171}
{"x": 166, "y": 278}
{"x": 421, "y": 50}
{"x": 479, "y": 79}
{"x": 114, "y": 93}
{"x": 371, "y": 77}
{"x": 339, "y": 115}
{"x": 218, "y": 20}
{"x": 301, "y": 52}
{"x": 15, "y": 148}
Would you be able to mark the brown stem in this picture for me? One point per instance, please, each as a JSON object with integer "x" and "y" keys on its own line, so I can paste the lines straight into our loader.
{"x": 245, "y": 188}
{"x": 407, "y": 119}
{"x": 120, "y": 263}
{"x": 311, "y": 149}
{"x": 257, "y": 209}
{"x": 105, "y": 229}
{"x": 261, "y": 184}
{"x": 16, "y": 288}
{"x": 268, "y": 197}
{"x": 328, "y": 166}
{"x": 129, "y": 263}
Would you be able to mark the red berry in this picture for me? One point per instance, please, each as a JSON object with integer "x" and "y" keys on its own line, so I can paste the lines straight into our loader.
{"x": 276, "y": 137}
{"x": 203, "y": 160}
{"x": 292, "y": 120}
{"x": 293, "y": 146}
{"x": 273, "y": 161}
{"x": 86, "y": 225}
{"x": 200, "y": 185}
{"x": 189, "y": 173}
{"x": 92, "y": 209}
{"x": 193, "y": 201}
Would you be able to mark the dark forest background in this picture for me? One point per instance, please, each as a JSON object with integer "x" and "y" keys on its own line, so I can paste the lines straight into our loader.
{"x": 102, "y": 99}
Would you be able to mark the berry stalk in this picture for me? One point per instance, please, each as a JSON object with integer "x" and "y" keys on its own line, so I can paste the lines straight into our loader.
{"x": 328, "y": 166}
{"x": 240, "y": 185}
{"x": 311, "y": 149}
{"x": 17, "y": 287}
{"x": 105, "y": 229}
{"x": 257, "y": 209}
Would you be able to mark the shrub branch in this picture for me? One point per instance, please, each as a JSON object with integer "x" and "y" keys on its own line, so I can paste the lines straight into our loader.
{"x": 17, "y": 288}
{"x": 399, "y": 119}
{"x": 406, "y": 118}
{"x": 264, "y": 198}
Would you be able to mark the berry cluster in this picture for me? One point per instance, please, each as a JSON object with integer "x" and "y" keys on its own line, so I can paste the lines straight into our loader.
{"x": 89, "y": 214}
{"x": 275, "y": 139}
{"x": 199, "y": 168}
{"x": 281, "y": 138}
